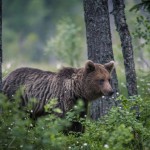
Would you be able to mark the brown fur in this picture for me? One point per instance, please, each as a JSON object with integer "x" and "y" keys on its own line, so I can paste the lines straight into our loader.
{"x": 68, "y": 85}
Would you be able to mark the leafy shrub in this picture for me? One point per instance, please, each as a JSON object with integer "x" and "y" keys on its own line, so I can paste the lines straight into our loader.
{"x": 67, "y": 45}
{"x": 120, "y": 129}
{"x": 20, "y": 132}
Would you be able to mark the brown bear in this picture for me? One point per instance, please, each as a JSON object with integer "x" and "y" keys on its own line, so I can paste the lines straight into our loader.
{"x": 67, "y": 86}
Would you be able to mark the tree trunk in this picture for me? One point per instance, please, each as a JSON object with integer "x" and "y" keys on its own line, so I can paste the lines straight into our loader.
{"x": 0, "y": 45}
{"x": 99, "y": 46}
{"x": 127, "y": 49}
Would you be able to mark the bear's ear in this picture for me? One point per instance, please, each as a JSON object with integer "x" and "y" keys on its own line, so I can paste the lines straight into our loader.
{"x": 110, "y": 66}
{"x": 89, "y": 66}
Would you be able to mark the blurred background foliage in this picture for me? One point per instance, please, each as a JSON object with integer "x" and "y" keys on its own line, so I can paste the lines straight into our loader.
{"x": 67, "y": 44}
{"x": 50, "y": 33}
{"x": 27, "y": 25}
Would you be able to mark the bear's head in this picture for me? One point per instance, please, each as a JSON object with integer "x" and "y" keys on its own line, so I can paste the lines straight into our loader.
{"x": 97, "y": 78}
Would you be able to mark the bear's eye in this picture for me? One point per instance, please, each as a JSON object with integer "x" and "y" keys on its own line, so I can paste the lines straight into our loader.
{"x": 109, "y": 80}
{"x": 101, "y": 81}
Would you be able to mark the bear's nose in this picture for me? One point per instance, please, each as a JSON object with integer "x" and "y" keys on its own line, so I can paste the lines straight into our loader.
{"x": 111, "y": 93}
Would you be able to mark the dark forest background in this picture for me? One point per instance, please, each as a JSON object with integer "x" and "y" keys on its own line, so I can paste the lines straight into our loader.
{"x": 28, "y": 26}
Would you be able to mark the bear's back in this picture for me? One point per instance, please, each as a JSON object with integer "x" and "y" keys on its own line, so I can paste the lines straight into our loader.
{"x": 20, "y": 76}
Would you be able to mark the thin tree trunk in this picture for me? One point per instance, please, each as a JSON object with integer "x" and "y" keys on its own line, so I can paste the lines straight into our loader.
{"x": 99, "y": 46}
{"x": 0, "y": 45}
{"x": 126, "y": 43}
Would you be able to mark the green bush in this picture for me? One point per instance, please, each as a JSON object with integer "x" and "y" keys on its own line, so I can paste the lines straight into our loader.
{"x": 67, "y": 44}
{"x": 123, "y": 128}
{"x": 18, "y": 131}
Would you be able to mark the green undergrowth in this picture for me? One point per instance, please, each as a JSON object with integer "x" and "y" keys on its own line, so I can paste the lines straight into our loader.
{"x": 125, "y": 127}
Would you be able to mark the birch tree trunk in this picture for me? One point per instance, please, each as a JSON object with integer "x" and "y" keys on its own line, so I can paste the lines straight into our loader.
{"x": 126, "y": 43}
{"x": 0, "y": 45}
{"x": 99, "y": 46}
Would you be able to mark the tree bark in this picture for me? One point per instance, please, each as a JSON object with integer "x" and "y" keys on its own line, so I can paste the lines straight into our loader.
{"x": 99, "y": 46}
{"x": 0, "y": 45}
{"x": 126, "y": 43}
